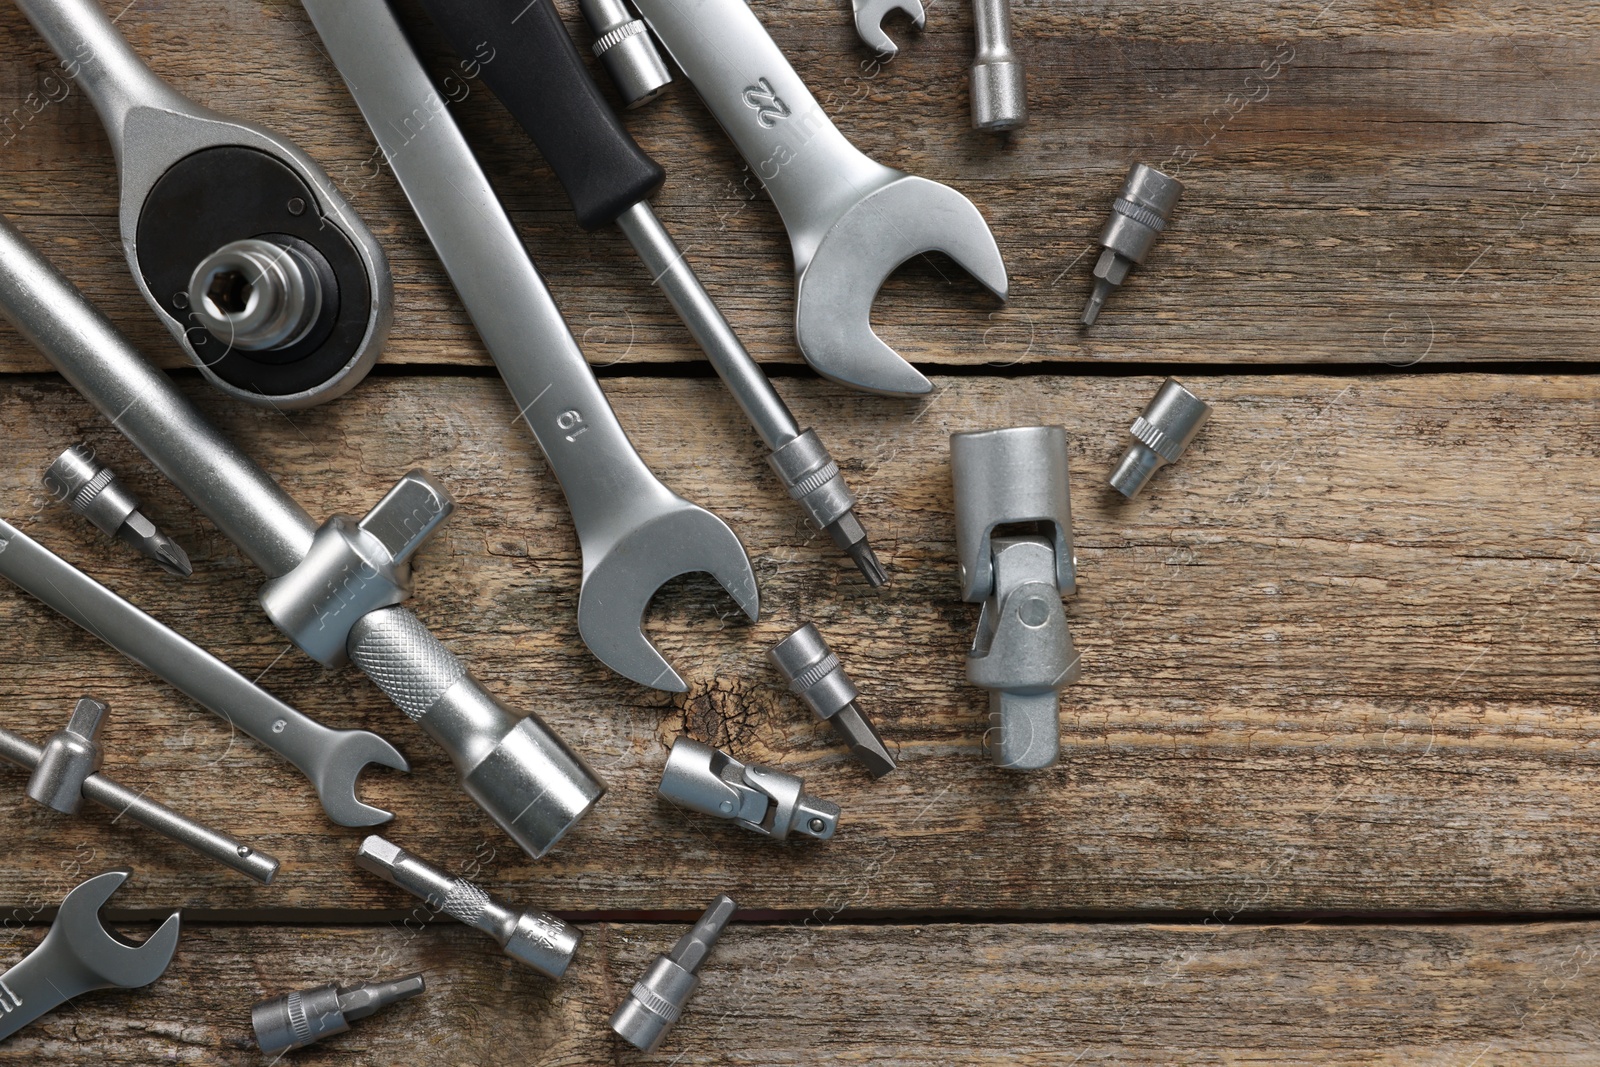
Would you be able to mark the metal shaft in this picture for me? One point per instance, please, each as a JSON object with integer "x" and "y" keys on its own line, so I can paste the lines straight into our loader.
{"x": 532, "y": 785}
{"x": 163, "y": 820}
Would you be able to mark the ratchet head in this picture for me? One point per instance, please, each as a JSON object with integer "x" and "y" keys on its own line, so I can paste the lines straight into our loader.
{"x": 905, "y": 218}
{"x": 619, "y": 582}
{"x": 106, "y": 956}
{"x": 869, "y": 22}
{"x": 339, "y": 766}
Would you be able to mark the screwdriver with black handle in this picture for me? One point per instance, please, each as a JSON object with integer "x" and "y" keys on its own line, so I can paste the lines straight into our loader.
{"x": 538, "y": 75}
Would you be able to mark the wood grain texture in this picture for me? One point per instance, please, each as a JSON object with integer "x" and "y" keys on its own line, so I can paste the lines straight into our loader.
{"x": 1341, "y": 656}
{"x": 1410, "y": 182}
{"x": 1032, "y": 995}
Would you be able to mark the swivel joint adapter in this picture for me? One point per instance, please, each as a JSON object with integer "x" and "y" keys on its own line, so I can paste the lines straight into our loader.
{"x": 1022, "y": 654}
{"x": 815, "y": 675}
{"x": 535, "y": 938}
{"x": 1138, "y": 215}
{"x": 68, "y": 759}
{"x": 355, "y": 567}
{"x": 760, "y": 799}
{"x": 658, "y": 997}
{"x": 305, "y": 1016}
{"x": 90, "y": 488}
{"x": 1161, "y": 433}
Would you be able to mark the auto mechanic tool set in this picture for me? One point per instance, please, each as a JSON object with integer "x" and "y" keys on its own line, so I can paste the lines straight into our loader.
{"x": 282, "y": 297}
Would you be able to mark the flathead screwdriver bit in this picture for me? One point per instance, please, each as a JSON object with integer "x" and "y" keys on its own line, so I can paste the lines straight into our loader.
{"x": 815, "y": 675}
{"x": 93, "y": 490}
{"x": 1138, "y": 215}
{"x": 658, "y": 997}
{"x": 295, "y": 1020}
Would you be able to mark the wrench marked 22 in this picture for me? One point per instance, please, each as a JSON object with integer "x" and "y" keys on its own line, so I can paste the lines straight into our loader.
{"x": 765, "y": 102}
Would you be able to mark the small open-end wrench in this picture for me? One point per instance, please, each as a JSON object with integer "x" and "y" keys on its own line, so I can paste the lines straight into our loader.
{"x": 851, "y": 220}
{"x": 609, "y": 178}
{"x": 80, "y": 955}
{"x": 332, "y": 759}
{"x": 869, "y": 22}
{"x": 635, "y": 533}
{"x": 237, "y": 239}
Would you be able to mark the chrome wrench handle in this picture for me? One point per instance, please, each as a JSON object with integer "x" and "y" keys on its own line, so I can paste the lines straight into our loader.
{"x": 813, "y": 173}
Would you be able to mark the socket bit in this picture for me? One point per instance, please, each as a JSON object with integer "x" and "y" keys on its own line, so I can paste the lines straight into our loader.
{"x": 541, "y": 941}
{"x": 1161, "y": 434}
{"x": 999, "y": 88}
{"x": 295, "y": 1020}
{"x": 658, "y": 997}
{"x": 93, "y": 490}
{"x": 69, "y": 757}
{"x": 624, "y": 46}
{"x": 815, "y": 675}
{"x": 1138, "y": 215}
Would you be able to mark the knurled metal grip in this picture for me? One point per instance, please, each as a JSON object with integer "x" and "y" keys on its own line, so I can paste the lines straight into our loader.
{"x": 356, "y": 567}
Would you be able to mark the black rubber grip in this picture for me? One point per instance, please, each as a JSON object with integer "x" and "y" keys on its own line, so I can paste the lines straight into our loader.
{"x": 525, "y": 56}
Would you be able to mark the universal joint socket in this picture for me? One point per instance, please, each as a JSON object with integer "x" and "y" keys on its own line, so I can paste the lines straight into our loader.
{"x": 765, "y": 801}
{"x": 68, "y": 759}
{"x": 658, "y": 997}
{"x": 1022, "y": 654}
{"x": 1138, "y": 215}
{"x": 535, "y": 938}
{"x": 815, "y": 675}
{"x": 1161, "y": 433}
{"x": 305, "y": 1016}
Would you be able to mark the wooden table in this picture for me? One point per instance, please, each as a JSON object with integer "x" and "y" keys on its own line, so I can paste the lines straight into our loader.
{"x": 1327, "y": 789}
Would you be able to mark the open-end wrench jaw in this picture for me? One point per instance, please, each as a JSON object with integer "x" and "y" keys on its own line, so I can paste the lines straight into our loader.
{"x": 906, "y": 217}
{"x": 337, "y": 772}
{"x": 870, "y": 15}
{"x": 106, "y": 956}
{"x": 621, "y": 577}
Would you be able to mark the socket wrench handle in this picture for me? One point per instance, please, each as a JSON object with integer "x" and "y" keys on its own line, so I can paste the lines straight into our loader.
{"x": 813, "y": 173}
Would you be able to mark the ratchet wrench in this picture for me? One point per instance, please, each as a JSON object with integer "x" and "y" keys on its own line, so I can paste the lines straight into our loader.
{"x": 332, "y": 759}
{"x": 635, "y": 533}
{"x": 237, "y": 239}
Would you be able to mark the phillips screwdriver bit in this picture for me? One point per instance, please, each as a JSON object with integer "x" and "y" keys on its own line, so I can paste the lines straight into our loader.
{"x": 1138, "y": 215}
{"x": 93, "y": 490}
{"x": 295, "y": 1020}
{"x": 658, "y": 997}
{"x": 815, "y": 675}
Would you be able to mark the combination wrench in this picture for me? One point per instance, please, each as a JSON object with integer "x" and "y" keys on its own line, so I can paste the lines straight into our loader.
{"x": 79, "y": 955}
{"x": 529, "y": 782}
{"x": 851, "y": 220}
{"x": 634, "y": 532}
{"x": 609, "y": 178}
{"x": 237, "y": 239}
{"x": 332, "y": 759}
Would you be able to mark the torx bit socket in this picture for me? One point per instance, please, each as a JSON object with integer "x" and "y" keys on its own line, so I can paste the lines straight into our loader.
{"x": 93, "y": 490}
{"x": 1161, "y": 434}
{"x": 541, "y": 941}
{"x": 815, "y": 675}
{"x": 658, "y": 997}
{"x": 1138, "y": 215}
{"x": 295, "y": 1020}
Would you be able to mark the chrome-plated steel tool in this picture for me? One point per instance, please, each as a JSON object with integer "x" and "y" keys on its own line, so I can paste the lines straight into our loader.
{"x": 1138, "y": 216}
{"x": 769, "y": 802}
{"x": 535, "y": 938}
{"x": 68, "y": 758}
{"x": 815, "y": 675}
{"x": 532, "y": 785}
{"x": 869, "y": 16}
{"x": 1022, "y": 653}
{"x": 136, "y": 806}
{"x": 542, "y": 80}
{"x": 626, "y": 49}
{"x": 851, "y": 221}
{"x": 1161, "y": 433}
{"x": 237, "y": 239}
{"x": 636, "y": 534}
{"x": 78, "y": 479}
{"x": 80, "y": 955}
{"x": 332, "y": 759}
{"x": 306, "y": 1016}
{"x": 999, "y": 87}
{"x": 657, "y": 999}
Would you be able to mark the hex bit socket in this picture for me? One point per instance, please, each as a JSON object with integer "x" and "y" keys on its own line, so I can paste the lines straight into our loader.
{"x": 659, "y": 996}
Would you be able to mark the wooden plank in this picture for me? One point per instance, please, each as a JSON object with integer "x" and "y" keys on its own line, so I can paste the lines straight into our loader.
{"x": 1403, "y": 186}
{"x": 1339, "y": 657}
{"x": 1030, "y": 994}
